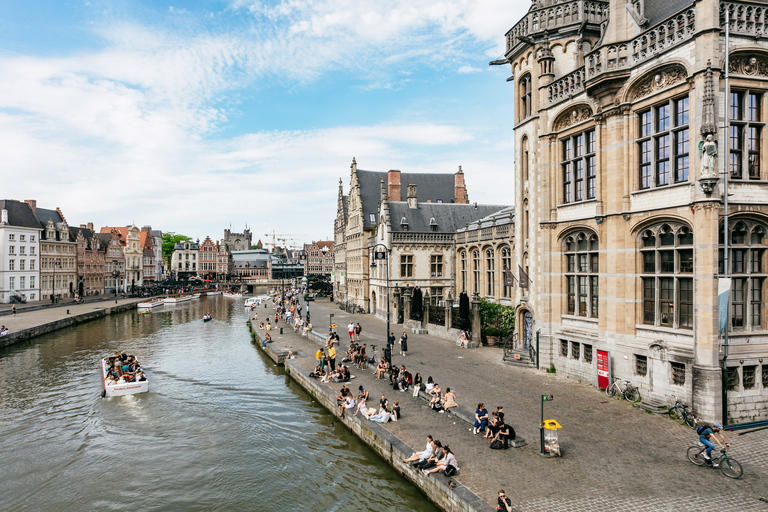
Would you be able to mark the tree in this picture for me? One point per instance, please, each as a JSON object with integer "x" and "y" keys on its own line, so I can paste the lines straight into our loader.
{"x": 170, "y": 239}
{"x": 257, "y": 246}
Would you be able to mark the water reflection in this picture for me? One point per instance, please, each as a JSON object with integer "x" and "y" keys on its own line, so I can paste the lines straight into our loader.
{"x": 222, "y": 428}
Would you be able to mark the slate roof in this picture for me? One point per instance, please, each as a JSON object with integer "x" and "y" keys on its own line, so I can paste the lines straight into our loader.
{"x": 247, "y": 264}
{"x": 504, "y": 216}
{"x": 449, "y": 216}
{"x": 437, "y": 187}
{"x": 104, "y": 238}
{"x": 88, "y": 235}
{"x": 44, "y": 215}
{"x": 19, "y": 214}
{"x": 659, "y": 10}
{"x": 345, "y": 205}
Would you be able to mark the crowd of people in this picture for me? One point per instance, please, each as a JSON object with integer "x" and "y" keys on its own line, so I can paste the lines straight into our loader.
{"x": 122, "y": 368}
{"x": 435, "y": 457}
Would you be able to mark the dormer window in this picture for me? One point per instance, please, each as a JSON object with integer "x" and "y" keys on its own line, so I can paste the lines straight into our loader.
{"x": 404, "y": 224}
{"x": 433, "y": 224}
{"x": 372, "y": 217}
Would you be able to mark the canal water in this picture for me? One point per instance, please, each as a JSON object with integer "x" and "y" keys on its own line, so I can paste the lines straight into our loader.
{"x": 222, "y": 428}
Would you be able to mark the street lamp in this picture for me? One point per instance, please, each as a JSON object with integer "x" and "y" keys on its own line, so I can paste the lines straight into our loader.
{"x": 54, "y": 263}
{"x": 116, "y": 275}
{"x": 382, "y": 255}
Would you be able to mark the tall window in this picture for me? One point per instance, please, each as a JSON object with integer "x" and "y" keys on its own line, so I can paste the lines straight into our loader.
{"x": 667, "y": 274}
{"x": 744, "y": 137}
{"x": 463, "y": 263}
{"x": 524, "y": 158}
{"x": 506, "y": 264}
{"x": 664, "y": 144}
{"x": 747, "y": 252}
{"x": 490, "y": 272}
{"x": 476, "y": 271}
{"x": 525, "y": 97}
{"x": 581, "y": 274}
{"x": 436, "y": 265}
{"x": 406, "y": 265}
{"x": 578, "y": 166}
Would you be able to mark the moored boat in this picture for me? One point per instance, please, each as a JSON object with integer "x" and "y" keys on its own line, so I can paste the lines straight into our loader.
{"x": 196, "y": 296}
{"x": 112, "y": 388}
{"x": 213, "y": 293}
{"x": 177, "y": 300}
{"x": 233, "y": 295}
{"x": 150, "y": 304}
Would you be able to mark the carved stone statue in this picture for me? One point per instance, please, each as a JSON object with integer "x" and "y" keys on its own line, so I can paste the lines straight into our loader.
{"x": 708, "y": 153}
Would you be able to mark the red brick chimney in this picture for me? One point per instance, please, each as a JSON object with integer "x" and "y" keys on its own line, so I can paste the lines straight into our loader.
{"x": 393, "y": 186}
{"x": 32, "y": 204}
{"x": 460, "y": 195}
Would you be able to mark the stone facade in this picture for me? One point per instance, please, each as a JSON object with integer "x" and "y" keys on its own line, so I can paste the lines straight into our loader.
{"x": 208, "y": 259}
{"x": 90, "y": 260}
{"x": 320, "y": 260}
{"x": 619, "y": 162}
{"x": 114, "y": 261}
{"x": 134, "y": 259}
{"x": 58, "y": 254}
{"x": 338, "y": 276}
{"x": 238, "y": 241}
{"x": 19, "y": 242}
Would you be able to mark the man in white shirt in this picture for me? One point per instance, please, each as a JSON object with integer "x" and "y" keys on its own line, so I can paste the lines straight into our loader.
{"x": 351, "y": 330}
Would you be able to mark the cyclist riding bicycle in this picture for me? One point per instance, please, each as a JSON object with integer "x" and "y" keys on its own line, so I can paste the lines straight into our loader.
{"x": 705, "y": 432}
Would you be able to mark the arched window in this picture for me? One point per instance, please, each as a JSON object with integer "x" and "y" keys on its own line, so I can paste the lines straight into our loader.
{"x": 463, "y": 262}
{"x": 525, "y": 97}
{"x": 667, "y": 270}
{"x": 506, "y": 263}
{"x": 581, "y": 273}
{"x": 579, "y": 168}
{"x": 476, "y": 271}
{"x": 490, "y": 273}
{"x": 524, "y": 158}
{"x": 525, "y": 220}
{"x": 746, "y": 258}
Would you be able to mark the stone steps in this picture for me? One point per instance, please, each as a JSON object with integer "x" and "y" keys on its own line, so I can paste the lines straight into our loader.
{"x": 519, "y": 358}
{"x": 653, "y": 405}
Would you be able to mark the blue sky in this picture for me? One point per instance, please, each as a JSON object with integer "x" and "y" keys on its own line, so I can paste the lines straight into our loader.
{"x": 192, "y": 116}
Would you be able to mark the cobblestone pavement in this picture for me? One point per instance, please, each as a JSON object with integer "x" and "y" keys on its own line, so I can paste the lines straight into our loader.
{"x": 615, "y": 456}
{"x": 26, "y": 319}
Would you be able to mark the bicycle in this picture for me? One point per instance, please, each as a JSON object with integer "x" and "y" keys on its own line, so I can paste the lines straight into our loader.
{"x": 630, "y": 393}
{"x": 681, "y": 412}
{"x": 728, "y": 466}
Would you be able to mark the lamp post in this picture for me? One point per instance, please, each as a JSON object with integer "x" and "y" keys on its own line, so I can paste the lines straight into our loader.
{"x": 115, "y": 276}
{"x": 382, "y": 255}
{"x": 54, "y": 263}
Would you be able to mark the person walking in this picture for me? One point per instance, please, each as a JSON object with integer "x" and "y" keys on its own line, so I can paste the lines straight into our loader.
{"x": 403, "y": 344}
{"x": 13, "y": 309}
{"x": 351, "y": 330}
{"x": 358, "y": 330}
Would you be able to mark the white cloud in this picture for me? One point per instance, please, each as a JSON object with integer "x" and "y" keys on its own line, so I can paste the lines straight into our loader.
{"x": 468, "y": 69}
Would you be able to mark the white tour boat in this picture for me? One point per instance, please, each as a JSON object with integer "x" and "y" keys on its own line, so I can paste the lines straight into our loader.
{"x": 150, "y": 304}
{"x": 177, "y": 300}
{"x": 127, "y": 388}
{"x": 233, "y": 295}
{"x": 196, "y": 296}
{"x": 213, "y": 293}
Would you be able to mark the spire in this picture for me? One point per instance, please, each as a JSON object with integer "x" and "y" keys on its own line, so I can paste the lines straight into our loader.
{"x": 709, "y": 123}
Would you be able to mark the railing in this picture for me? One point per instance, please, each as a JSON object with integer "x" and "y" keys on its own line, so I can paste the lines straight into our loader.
{"x": 556, "y": 16}
{"x": 460, "y": 323}
{"x": 437, "y": 315}
{"x": 747, "y": 19}
{"x": 566, "y": 87}
{"x": 486, "y": 233}
{"x": 406, "y": 237}
{"x": 627, "y": 54}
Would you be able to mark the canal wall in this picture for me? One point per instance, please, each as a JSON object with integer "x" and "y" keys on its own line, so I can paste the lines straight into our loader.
{"x": 451, "y": 498}
{"x": 68, "y": 321}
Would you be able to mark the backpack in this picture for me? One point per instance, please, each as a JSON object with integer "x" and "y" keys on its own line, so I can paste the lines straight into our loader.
{"x": 497, "y": 444}
{"x": 701, "y": 429}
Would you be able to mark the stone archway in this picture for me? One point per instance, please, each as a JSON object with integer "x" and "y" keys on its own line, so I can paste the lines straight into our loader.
{"x": 525, "y": 331}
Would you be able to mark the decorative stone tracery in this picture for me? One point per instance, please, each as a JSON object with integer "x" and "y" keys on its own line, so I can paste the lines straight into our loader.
{"x": 573, "y": 116}
{"x": 748, "y": 65}
{"x": 658, "y": 80}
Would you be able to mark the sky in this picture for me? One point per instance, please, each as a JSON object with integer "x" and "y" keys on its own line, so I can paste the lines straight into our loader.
{"x": 202, "y": 115}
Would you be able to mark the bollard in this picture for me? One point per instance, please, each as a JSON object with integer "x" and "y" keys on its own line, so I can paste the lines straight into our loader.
{"x": 67, "y": 311}
{"x": 281, "y": 330}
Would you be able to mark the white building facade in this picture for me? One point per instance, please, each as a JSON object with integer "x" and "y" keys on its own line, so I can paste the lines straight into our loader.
{"x": 19, "y": 252}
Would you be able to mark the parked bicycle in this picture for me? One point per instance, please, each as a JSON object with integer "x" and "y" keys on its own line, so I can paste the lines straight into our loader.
{"x": 681, "y": 412}
{"x": 630, "y": 393}
{"x": 728, "y": 465}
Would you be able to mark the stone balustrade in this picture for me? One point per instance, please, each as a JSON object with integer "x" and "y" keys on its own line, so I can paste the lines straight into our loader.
{"x": 566, "y": 87}
{"x": 745, "y": 18}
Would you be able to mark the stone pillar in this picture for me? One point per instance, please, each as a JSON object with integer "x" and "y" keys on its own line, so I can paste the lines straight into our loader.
{"x": 477, "y": 325}
{"x": 449, "y": 311}
{"x": 707, "y": 374}
{"x": 406, "y": 304}
{"x": 425, "y": 319}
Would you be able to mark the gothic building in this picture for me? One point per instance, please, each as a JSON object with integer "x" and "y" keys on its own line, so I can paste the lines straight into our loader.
{"x": 621, "y": 155}
{"x": 238, "y": 241}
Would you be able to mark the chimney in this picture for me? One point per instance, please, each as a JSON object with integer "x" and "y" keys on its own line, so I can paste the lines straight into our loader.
{"x": 32, "y": 204}
{"x": 82, "y": 226}
{"x": 393, "y": 185}
{"x": 90, "y": 226}
{"x": 412, "y": 196}
{"x": 4, "y": 218}
{"x": 460, "y": 195}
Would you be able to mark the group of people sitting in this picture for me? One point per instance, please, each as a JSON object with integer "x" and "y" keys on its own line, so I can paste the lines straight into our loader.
{"x": 439, "y": 400}
{"x": 123, "y": 368}
{"x": 385, "y": 413}
{"x": 435, "y": 457}
{"x": 340, "y": 374}
{"x": 356, "y": 354}
{"x": 4, "y": 331}
{"x": 493, "y": 427}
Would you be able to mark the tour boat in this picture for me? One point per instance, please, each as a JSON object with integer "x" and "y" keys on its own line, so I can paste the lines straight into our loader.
{"x": 177, "y": 300}
{"x": 214, "y": 293}
{"x": 253, "y": 301}
{"x": 196, "y": 296}
{"x": 233, "y": 295}
{"x": 128, "y": 388}
{"x": 207, "y": 318}
{"x": 150, "y": 304}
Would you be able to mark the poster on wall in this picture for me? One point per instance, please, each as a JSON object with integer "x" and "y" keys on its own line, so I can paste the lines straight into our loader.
{"x": 603, "y": 369}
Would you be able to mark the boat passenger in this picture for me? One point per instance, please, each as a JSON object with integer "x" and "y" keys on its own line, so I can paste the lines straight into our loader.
{"x": 142, "y": 378}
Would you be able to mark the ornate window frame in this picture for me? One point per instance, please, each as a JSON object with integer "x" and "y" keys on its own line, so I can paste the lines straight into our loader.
{"x": 582, "y": 273}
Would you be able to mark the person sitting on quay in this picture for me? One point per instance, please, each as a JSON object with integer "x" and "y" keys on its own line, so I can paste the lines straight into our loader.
{"x": 364, "y": 410}
{"x": 492, "y": 427}
{"x": 267, "y": 339}
{"x": 394, "y": 373}
{"x": 422, "y": 455}
{"x": 449, "y": 400}
{"x": 269, "y": 325}
{"x": 307, "y": 328}
{"x": 503, "y": 434}
{"x": 382, "y": 368}
{"x": 481, "y": 418}
{"x": 362, "y": 357}
{"x": 383, "y": 403}
{"x": 343, "y": 393}
{"x": 362, "y": 394}
{"x": 261, "y": 326}
{"x": 316, "y": 373}
{"x": 347, "y": 405}
{"x": 463, "y": 339}
{"x": 436, "y": 394}
{"x": 447, "y": 465}
{"x": 417, "y": 382}
{"x": 429, "y": 385}
{"x": 4, "y": 331}
{"x": 437, "y": 455}
{"x": 385, "y": 416}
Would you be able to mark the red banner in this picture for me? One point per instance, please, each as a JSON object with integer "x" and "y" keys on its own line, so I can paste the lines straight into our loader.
{"x": 603, "y": 369}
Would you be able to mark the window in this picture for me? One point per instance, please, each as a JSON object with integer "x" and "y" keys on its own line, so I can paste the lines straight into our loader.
{"x": 748, "y": 376}
{"x": 747, "y": 254}
{"x": 11, "y": 264}
{"x": 664, "y": 144}
{"x": 524, "y": 158}
{"x": 745, "y": 134}
{"x": 22, "y": 283}
{"x": 436, "y": 265}
{"x": 22, "y": 238}
{"x": 372, "y": 217}
{"x": 31, "y": 238}
{"x": 11, "y": 283}
{"x": 463, "y": 263}
{"x": 526, "y": 106}
{"x": 579, "y": 167}
{"x": 11, "y": 237}
{"x": 667, "y": 272}
{"x": 31, "y": 281}
{"x": 582, "y": 267}
{"x": 476, "y": 271}
{"x": 406, "y": 265}
{"x": 732, "y": 378}
{"x": 31, "y": 251}
{"x": 588, "y": 353}
{"x": 489, "y": 272}
{"x": 11, "y": 249}
{"x": 678, "y": 373}
{"x": 506, "y": 263}
{"x": 765, "y": 376}
{"x": 575, "y": 350}
{"x": 22, "y": 264}
{"x": 641, "y": 365}
{"x": 564, "y": 348}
